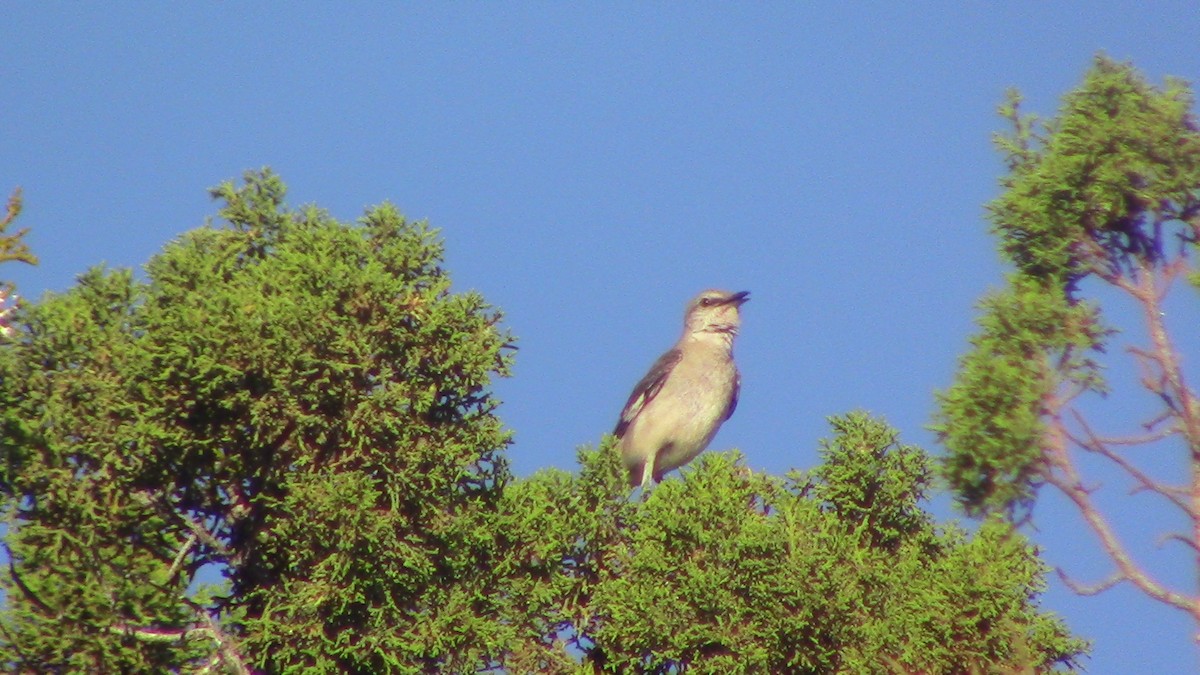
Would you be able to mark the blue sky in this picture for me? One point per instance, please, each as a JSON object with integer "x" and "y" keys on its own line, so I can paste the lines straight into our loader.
{"x": 593, "y": 165}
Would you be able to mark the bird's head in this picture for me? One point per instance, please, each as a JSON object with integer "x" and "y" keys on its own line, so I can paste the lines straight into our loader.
{"x": 714, "y": 311}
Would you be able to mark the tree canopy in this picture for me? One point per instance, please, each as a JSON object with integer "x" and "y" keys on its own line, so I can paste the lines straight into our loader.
{"x": 1101, "y": 205}
{"x": 279, "y": 452}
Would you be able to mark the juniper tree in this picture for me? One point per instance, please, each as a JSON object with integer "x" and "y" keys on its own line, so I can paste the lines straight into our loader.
{"x": 295, "y": 403}
{"x": 1101, "y": 204}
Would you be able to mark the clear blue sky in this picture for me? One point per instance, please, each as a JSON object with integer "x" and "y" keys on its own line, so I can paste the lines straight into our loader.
{"x": 592, "y": 165}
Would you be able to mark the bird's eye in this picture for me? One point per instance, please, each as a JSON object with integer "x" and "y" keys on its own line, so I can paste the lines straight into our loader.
{"x": 706, "y": 302}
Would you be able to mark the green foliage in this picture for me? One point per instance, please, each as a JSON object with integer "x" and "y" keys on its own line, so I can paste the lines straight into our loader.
{"x": 1108, "y": 188}
{"x": 12, "y": 246}
{"x": 302, "y": 406}
{"x": 300, "y": 402}
{"x": 872, "y": 483}
{"x": 728, "y": 571}
{"x": 991, "y": 419}
{"x": 1092, "y": 192}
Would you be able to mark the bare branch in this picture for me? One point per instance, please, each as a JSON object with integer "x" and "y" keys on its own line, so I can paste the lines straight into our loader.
{"x": 1155, "y": 421}
{"x": 159, "y": 635}
{"x": 199, "y": 532}
{"x": 179, "y": 557}
{"x": 1142, "y": 439}
{"x": 1177, "y": 496}
{"x": 1128, "y": 569}
{"x": 1068, "y": 481}
{"x": 226, "y": 645}
{"x": 1175, "y": 536}
{"x": 1090, "y": 589}
{"x": 1143, "y": 353}
{"x": 227, "y": 652}
{"x": 1167, "y": 357}
{"x": 1171, "y": 272}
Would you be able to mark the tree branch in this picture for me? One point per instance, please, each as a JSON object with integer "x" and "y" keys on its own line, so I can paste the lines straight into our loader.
{"x": 1063, "y": 475}
{"x": 179, "y": 557}
{"x": 1126, "y": 567}
{"x": 1175, "y": 536}
{"x": 199, "y": 532}
{"x": 1177, "y": 496}
{"x": 226, "y": 645}
{"x": 1167, "y": 358}
{"x": 11, "y": 245}
{"x": 25, "y": 590}
{"x": 1090, "y": 589}
{"x": 206, "y": 626}
{"x": 156, "y": 635}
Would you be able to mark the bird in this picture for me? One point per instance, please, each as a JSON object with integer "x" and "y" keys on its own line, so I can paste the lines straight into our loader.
{"x": 676, "y": 409}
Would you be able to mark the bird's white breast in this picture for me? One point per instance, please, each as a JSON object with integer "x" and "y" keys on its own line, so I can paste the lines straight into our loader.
{"x": 685, "y": 415}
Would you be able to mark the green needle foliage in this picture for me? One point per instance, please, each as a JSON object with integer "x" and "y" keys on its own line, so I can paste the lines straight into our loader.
{"x": 12, "y": 248}
{"x": 279, "y": 453}
{"x": 1103, "y": 198}
{"x": 295, "y": 402}
{"x": 1107, "y": 193}
{"x": 730, "y": 571}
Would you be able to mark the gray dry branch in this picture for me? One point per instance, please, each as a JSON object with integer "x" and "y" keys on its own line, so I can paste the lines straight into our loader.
{"x": 1162, "y": 375}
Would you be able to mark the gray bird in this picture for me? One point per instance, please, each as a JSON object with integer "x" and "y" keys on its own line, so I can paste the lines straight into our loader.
{"x": 677, "y": 408}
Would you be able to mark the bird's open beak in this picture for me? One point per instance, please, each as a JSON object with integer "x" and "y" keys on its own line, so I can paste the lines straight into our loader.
{"x": 739, "y": 298}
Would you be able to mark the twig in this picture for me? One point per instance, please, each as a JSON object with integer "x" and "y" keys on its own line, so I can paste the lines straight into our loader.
{"x": 179, "y": 557}
{"x": 198, "y": 531}
{"x": 1175, "y": 536}
{"x": 1090, "y": 589}
{"x": 1177, "y": 496}
{"x": 1068, "y": 481}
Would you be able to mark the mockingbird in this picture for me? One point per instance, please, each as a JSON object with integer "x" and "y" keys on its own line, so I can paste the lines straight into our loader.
{"x": 678, "y": 406}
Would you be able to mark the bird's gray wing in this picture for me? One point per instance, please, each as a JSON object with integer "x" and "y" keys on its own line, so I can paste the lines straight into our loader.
{"x": 733, "y": 397}
{"x": 647, "y": 389}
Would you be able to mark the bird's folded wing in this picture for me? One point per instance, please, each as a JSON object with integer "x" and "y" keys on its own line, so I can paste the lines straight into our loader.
{"x": 647, "y": 389}
{"x": 733, "y": 397}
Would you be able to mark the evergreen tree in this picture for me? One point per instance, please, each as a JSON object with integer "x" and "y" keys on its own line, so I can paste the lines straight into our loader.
{"x": 299, "y": 404}
{"x": 1101, "y": 204}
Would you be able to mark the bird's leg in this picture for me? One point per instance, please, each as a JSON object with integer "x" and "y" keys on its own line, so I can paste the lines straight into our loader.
{"x": 648, "y": 476}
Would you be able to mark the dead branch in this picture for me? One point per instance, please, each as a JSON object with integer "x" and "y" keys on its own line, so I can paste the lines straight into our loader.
{"x": 1142, "y": 439}
{"x": 1177, "y": 496}
{"x": 1090, "y": 589}
{"x": 1127, "y": 568}
{"x": 1175, "y": 536}
{"x": 1062, "y": 474}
